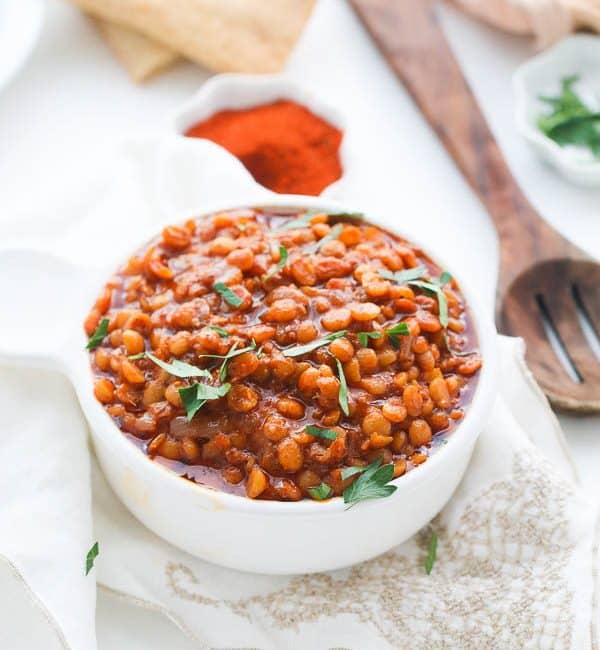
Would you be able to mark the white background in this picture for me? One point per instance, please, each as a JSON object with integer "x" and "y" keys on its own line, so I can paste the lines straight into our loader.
{"x": 71, "y": 104}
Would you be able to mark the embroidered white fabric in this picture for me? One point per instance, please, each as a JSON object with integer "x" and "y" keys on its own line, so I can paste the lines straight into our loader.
{"x": 518, "y": 542}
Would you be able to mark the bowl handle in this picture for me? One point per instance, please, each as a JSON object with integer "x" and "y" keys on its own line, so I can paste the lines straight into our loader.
{"x": 41, "y": 307}
{"x": 195, "y": 172}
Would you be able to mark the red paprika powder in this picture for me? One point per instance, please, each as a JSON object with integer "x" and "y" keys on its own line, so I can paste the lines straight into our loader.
{"x": 285, "y": 147}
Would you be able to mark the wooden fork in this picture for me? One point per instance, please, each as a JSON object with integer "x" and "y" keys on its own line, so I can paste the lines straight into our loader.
{"x": 547, "y": 286}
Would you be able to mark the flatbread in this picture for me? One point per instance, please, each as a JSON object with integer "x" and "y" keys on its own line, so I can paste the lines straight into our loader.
{"x": 221, "y": 35}
{"x": 142, "y": 57}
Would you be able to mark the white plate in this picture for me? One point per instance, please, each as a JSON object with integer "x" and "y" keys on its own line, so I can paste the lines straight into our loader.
{"x": 20, "y": 24}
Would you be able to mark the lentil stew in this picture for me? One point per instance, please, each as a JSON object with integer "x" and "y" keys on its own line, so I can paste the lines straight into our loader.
{"x": 264, "y": 351}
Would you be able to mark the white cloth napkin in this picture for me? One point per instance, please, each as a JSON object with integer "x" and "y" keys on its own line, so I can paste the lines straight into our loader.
{"x": 518, "y": 543}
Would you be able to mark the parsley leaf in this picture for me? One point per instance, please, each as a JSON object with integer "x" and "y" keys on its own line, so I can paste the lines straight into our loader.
{"x": 431, "y": 553}
{"x": 220, "y": 331}
{"x": 227, "y": 294}
{"x": 343, "y": 395}
{"x": 92, "y": 554}
{"x": 306, "y": 218}
{"x": 436, "y": 287}
{"x": 399, "y": 329}
{"x": 321, "y": 492}
{"x": 194, "y": 397}
{"x": 363, "y": 337}
{"x": 300, "y": 222}
{"x": 334, "y": 233}
{"x": 328, "y": 434}
{"x": 403, "y": 277}
{"x": 298, "y": 350}
{"x": 98, "y": 336}
{"x": 178, "y": 368}
{"x": 283, "y": 258}
{"x": 571, "y": 122}
{"x": 371, "y": 484}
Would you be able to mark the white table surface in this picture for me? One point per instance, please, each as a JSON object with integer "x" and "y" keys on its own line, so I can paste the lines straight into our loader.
{"x": 62, "y": 116}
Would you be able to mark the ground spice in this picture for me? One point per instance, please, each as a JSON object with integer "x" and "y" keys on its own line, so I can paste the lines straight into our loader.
{"x": 285, "y": 147}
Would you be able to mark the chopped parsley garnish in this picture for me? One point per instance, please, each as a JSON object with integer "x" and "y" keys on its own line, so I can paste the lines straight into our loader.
{"x": 371, "y": 484}
{"x": 300, "y": 222}
{"x": 283, "y": 258}
{"x": 431, "y": 553}
{"x": 343, "y": 394}
{"x": 306, "y": 218}
{"x": 437, "y": 288}
{"x": 178, "y": 368}
{"x": 403, "y": 277}
{"x": 571, "y": 122}
{"x": 328, "y": 434}
{"x": 220, "y": 331}
{"x": 92, "y": 554}
{"x": 98, "y": 336}
{"x": 298, "y": 350}
{"x": 363, "y": 337}
{"x": 227, "y": 294}
{"x": 194, "y": 397}
{"x": 400, "y": 329}
{"x": 321, "y": 492}
{"x": 334, "y": 233}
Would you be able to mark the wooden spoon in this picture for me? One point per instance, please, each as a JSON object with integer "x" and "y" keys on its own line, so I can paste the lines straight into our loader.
{"x": 547, "y": 285}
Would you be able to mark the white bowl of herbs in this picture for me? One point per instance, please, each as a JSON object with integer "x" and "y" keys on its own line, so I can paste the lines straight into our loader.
{"x": 558, "y": 107}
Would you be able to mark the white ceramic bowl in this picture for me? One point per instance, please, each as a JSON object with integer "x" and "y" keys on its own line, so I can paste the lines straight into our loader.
{"x": 239, "y": 91}
{"x": 575, "y": 55}
{"x": 230, "y": 530}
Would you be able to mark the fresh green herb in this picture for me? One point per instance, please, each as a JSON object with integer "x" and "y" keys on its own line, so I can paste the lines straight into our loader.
{"x": 220, "y": 331}
{"x": 306, "y": 218}
{"x": 298, "y": 350}
{"x": 92, "y": 554}
{"x": 300, "y": 222}
{"x": 343, "y": 395}
{"x": 328, "y": 434}
{"x": 228, "y": 295}
{"x": 98, "y": 336}
{"x": 571, "y": 122}
{"x": 233, "y": 352}
{"x": 283, "y": 258}
{"x": 436, "y": 287}
{"x": 194, "y": 397}
{"x": 431, "y": 553}
{"x": 223, "y": 368}
{"x": 178, "y": 368}
{"x": 347, "y": 472}
{"x": 363, "y": 337}
{"x": 346, "y": 215}
{"x": 456, "y": 353}
{"x": 444, "y": 278}
{"x": 371, "y": 484}
{"x": 334, "y": 233}
{"x": 399, "y": 329}
{"x": 321, "y": 492}
{"x": 403, "y": 277}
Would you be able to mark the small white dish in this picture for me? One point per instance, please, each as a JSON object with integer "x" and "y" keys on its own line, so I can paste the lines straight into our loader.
{"x": 575, "y": 55}
{"x": 239, "y": 91}
{"x": 20, "y": 25}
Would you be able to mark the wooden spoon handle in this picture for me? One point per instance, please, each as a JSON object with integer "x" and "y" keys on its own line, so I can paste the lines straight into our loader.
{"x": 410, "y": 37}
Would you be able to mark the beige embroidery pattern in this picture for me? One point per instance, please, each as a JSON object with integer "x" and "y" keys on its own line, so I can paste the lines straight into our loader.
{"x": 499, "y": 580}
